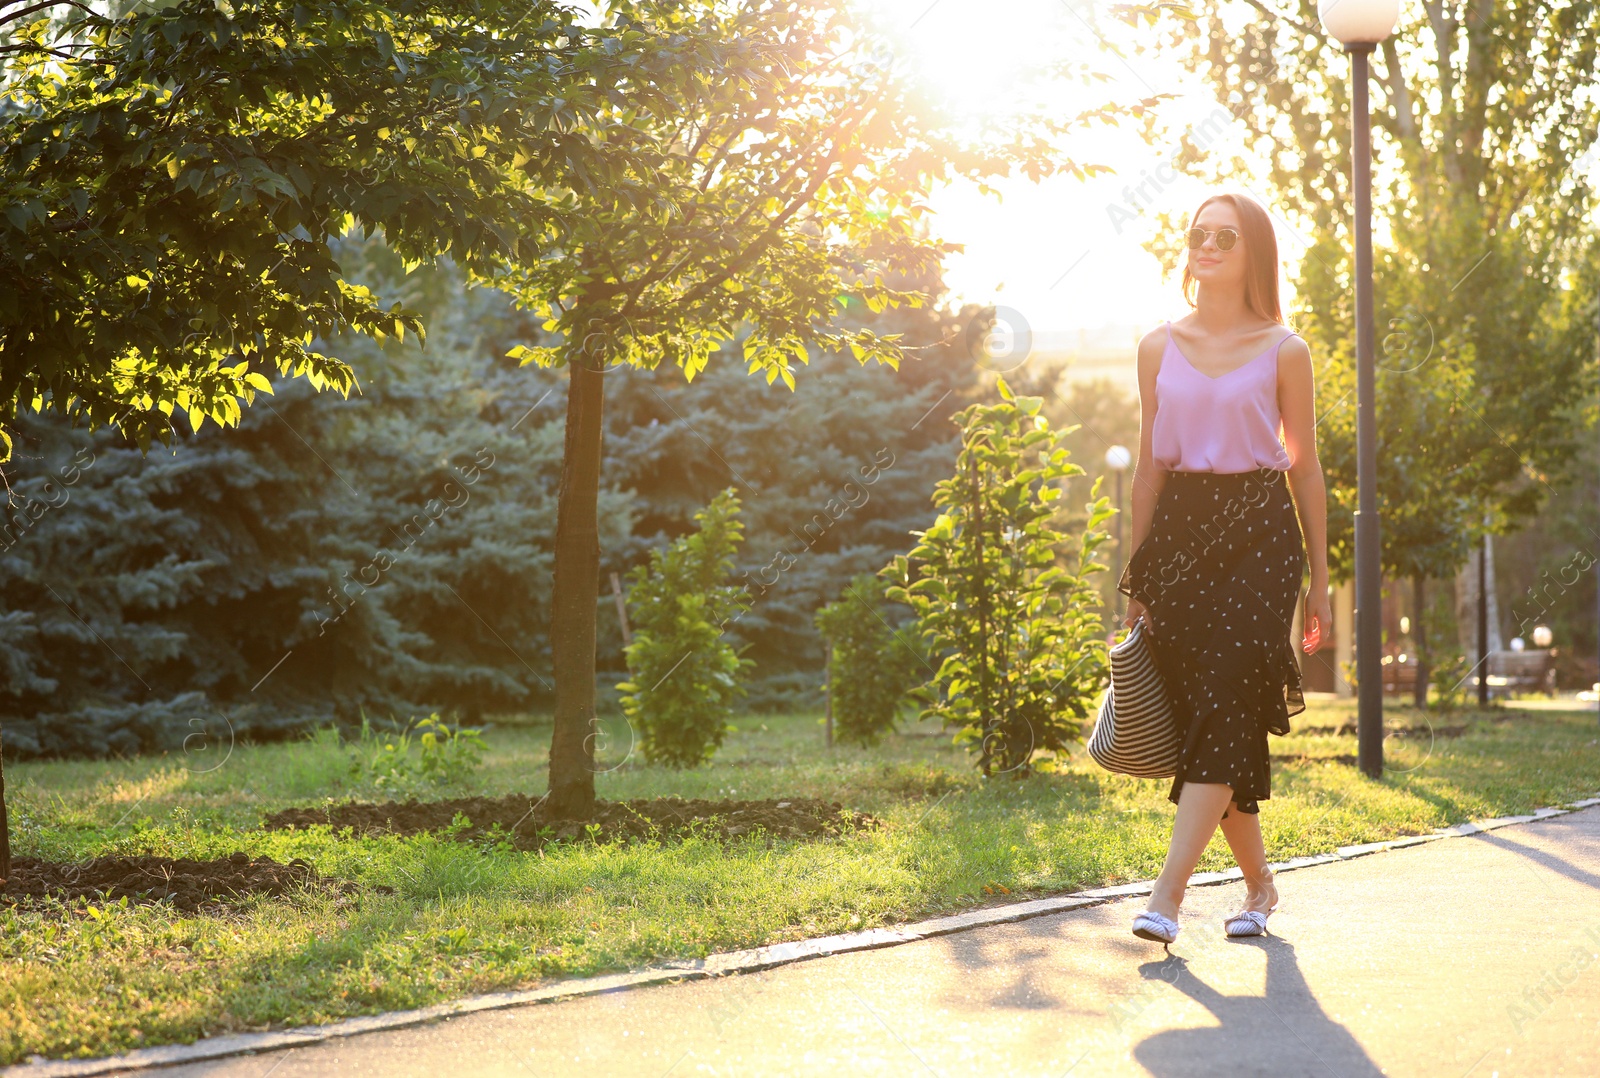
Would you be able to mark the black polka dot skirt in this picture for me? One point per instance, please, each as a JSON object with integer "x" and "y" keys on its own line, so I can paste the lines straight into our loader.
{"x": 1220, "y": 573}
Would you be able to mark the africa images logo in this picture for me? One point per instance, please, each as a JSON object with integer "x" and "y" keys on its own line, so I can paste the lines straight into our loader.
{"x": 999, "y": 339}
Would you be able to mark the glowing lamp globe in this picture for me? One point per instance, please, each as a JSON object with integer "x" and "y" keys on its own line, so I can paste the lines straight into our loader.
{"x": 1541, "y": 636}
{"x": 1359, "y": 22}
{"x": 1118, "y": 458}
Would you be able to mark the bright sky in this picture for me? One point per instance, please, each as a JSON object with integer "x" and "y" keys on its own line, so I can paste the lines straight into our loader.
{"x": 1065, "y": 253}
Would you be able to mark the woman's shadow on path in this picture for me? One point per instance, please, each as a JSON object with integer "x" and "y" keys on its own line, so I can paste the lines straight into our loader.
{"x": 1282, "y": 1032}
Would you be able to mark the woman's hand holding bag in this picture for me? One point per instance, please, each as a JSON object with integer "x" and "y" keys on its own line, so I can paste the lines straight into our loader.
{"x": 1136, "y": 732}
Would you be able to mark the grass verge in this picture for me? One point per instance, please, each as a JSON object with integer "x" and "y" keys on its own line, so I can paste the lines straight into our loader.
{"x": 95, "y": 979}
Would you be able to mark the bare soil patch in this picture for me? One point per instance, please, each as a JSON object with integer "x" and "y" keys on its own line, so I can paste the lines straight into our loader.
{"x": 1303, "y": 758}
{"x": 188, "y": 884}
{"x": 522, "y": 820}
{"x": 1349, "y": 730}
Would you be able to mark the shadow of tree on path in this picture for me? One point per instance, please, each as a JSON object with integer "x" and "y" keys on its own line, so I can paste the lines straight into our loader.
{"x": 1544, "y": 858}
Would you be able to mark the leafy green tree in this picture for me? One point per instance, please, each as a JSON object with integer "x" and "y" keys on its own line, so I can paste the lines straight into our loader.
{"x": 172, "y": 181}
{"x": 1094, "y": 415}
{"x": 790, "y": 170}
{"x": 1010, "y": 613}
{"x": 684, "y": 674}
{"x": 873, "y": 662}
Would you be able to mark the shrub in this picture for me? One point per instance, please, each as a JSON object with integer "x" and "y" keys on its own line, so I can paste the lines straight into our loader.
{"x": 874, "y": 665}
{"x": 1007, "y": 610}
{"x": 683, "y": 675}
{"x": 1449, "y": 678}
{"x": 444, "y": 756}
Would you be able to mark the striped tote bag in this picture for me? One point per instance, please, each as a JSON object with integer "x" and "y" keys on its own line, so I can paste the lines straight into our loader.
{"x": 1136, "y": 733}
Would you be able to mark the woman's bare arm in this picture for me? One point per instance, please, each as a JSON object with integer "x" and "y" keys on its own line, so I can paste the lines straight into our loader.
{"x": 1297, "y": 405}
{"x": 1148, "y": 477}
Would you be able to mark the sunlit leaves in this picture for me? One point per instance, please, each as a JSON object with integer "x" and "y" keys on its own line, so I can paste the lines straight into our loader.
{"x": 784, "y": 174}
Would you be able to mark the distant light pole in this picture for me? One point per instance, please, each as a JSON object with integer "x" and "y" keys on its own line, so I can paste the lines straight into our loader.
{"x": 1117, "y": 459}
{"x": 1359, "y": 25}
{"x": 1483, "y": 621}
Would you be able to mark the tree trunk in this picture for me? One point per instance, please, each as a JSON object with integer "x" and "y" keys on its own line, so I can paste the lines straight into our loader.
{"x": 827, "y": 697}
{"x": 1419, "y": 635}
{"x": 1492, "y": 588}
{"x": 5, "y": 824}
{"x": 577, "y": 589}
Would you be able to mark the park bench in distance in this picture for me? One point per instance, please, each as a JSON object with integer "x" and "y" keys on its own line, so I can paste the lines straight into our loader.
{"x": 1529, "y": 670}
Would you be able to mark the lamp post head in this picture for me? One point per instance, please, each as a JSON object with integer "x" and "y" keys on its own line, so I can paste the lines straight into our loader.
{"x": 1118, "y": 458}
{"x": 1359, "y": 22}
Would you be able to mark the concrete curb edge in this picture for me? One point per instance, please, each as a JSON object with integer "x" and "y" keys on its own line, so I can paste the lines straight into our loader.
{"x": 718, "y": 965}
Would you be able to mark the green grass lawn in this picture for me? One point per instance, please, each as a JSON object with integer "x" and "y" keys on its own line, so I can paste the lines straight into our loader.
{"x": 99, "y": 979}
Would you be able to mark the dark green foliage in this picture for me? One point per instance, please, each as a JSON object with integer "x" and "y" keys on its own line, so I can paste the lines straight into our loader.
{"x": 174, "y": 183}
{"x": 196, "y": 571}
{"x": 832, "y": 478}
{"x": 875, "y": 660}
{"x": 1011, "y": 614}
{"x": 684, "y": 674}
{"x": 390, "y": 552}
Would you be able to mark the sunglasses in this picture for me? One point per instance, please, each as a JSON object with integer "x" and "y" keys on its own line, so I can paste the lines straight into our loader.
{"x": 1226, "y": 238}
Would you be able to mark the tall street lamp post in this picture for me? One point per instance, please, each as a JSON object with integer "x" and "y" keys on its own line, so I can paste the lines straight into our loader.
{"x": 1360, "y": 25}
{"x": 1483, "y": 620}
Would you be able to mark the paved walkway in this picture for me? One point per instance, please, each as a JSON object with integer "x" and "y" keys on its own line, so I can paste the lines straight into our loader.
{"x": 1475, "y": 956}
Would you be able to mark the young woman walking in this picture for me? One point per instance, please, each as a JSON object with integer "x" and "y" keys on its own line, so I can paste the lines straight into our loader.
{"x": 1218, "y": 551}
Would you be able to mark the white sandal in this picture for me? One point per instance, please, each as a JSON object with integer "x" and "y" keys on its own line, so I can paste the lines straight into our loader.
{"x": 1153, "y": 926}
{"x": 1247, "y": 923}
{"x": 1251, "y": 922}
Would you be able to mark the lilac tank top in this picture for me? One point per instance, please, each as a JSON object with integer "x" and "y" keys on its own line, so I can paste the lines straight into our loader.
{"x": 1224, "y": 424}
